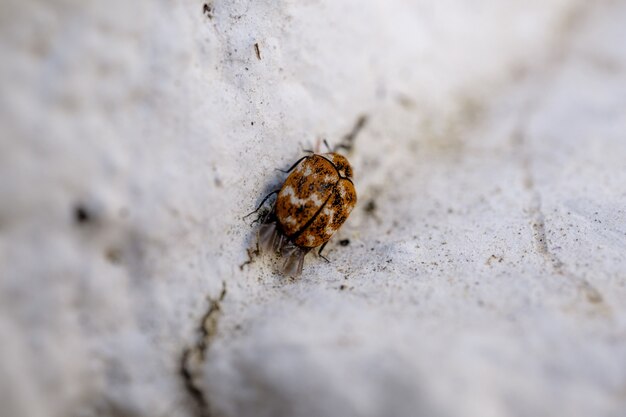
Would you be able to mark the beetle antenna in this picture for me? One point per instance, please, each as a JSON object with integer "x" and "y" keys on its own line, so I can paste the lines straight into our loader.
{"x": 261, "y": 205}
{"x": 292, "y": 167}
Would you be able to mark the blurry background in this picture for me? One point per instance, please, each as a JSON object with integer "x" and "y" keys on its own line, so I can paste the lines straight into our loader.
{"x": 483, "y": 272}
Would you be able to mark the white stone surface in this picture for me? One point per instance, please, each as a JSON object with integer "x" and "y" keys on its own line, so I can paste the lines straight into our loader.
{"x": 490, "y": 280}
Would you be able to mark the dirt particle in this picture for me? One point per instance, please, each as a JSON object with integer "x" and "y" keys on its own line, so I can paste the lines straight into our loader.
{"x": 370, "y": 207}
{"x": 252, "y": 253}
{"x": 82, "y": 215}
{"x": 257, "y": 51}
{"x": 494, "y": 258}
{"x": 592, "y": 294}
{"x": 347, "y": 142}
{"x": 344, "y": 242}
{"x": 207, "y": 10}
{"x": 190, "y": 384}
{"x": 405, "y": 101}
{"x": 113, "y": 255}
{"x": 192, "y": 358}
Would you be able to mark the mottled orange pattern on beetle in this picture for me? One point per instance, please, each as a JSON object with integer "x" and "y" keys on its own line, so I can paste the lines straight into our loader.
{"x": 305, "y": 190}
{"x": 331, "y": 217}
{"x": 316, "y": 199}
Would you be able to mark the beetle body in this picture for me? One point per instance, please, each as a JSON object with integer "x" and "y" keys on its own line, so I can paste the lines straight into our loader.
{"x": 312, "y": 204}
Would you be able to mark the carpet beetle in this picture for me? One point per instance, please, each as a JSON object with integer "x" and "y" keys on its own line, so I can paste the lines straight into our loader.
{"x": 312, "y": 204}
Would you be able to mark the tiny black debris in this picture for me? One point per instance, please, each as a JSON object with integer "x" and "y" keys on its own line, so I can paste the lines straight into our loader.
{"x": 207, "y": 10}
{"x": 82, "y": 214}
{"x": 370, "y": 207}
{"x": 257, "y": 50}
{"x": 344, "y": 242}
{"x": 197, "y": 353}
{"x": 251, "y": 254}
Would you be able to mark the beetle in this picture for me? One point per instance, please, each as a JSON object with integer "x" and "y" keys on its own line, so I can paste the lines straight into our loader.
{"x": 312, "y": 204}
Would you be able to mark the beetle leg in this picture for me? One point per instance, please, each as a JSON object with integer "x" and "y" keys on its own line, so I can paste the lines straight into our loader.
{"x": 320, "y": 252}
{"x": 293, "y": 166}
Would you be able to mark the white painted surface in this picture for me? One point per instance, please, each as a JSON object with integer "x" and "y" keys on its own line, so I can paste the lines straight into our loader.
{"x": 490, "y": 280}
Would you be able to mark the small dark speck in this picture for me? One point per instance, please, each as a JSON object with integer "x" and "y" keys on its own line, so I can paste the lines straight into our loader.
{"x": 344, "y": 242}
{"x": 113, "y": 255}
{"x": 342, "y": 287}
{"x": 405, "y": 101}
{"x": 257, "y": 51}
{"x": 370, "y": 207}
{"x": 246, "y": 68}
{"x": 207, "y": 10}
{"x": 82, "y": 214}
{"x": 251, "y": 123}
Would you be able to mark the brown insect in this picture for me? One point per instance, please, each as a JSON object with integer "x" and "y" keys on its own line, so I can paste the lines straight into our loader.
{"x": 312, "y": 204}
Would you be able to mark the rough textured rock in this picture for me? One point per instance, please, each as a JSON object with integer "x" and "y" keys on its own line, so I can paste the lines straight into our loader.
{"x": 485, "y": 271}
